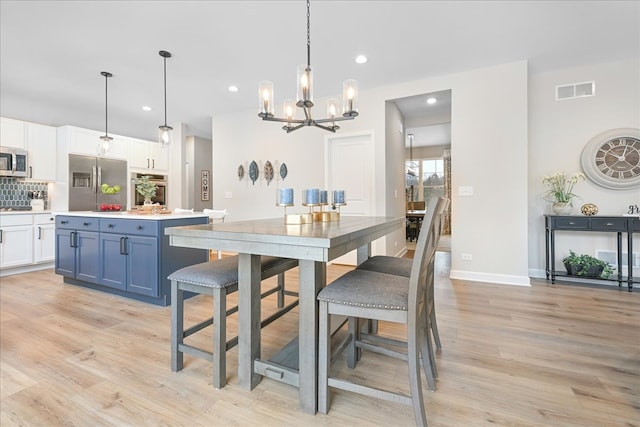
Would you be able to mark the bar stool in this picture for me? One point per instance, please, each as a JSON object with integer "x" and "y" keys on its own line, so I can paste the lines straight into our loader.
{"x": 365, "y": 294}
{"x": 218, "y": 278}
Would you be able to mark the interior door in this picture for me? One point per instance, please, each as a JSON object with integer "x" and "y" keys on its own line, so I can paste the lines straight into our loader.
{"x": 349, "y": 160}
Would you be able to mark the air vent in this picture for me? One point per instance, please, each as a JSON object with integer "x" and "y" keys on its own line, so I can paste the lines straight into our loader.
{"x": 612, "y": 258}
{"x": 575, "y": 90}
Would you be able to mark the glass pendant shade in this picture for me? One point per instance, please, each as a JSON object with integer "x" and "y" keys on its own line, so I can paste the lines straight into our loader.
{"x": 305, "y": 84}
{"x": 289, "y": 109}
{"x": 350, "y": 98}
{"x": 265, "y": 97}
{"x": 165, "y": 134}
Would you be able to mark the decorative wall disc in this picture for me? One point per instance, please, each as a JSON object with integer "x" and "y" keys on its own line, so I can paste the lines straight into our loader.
{"x": 268, "y": 172}
{"x": 283, "y": 171}
{"x": 240, "y": 172}
{"x": 253, "y": 172}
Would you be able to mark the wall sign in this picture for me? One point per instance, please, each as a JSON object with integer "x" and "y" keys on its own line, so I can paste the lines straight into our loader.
{"x": 204, "y": 186}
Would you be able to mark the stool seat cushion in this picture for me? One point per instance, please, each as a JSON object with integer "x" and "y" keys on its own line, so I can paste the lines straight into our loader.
{"x": 371, "y": 289}
{"x": 222, "y": 273}
{"x": 388, "y": 264}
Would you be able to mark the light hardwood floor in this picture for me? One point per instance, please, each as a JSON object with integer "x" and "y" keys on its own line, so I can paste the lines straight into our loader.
{"x": 546, "y": 355}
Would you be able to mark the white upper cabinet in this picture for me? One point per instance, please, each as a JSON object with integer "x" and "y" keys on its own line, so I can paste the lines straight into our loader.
{"x": 41, "y": 145}
{"x": 148, "y": 156}
{"x": 87, "y": 142}
{"x": 12, "y": 133}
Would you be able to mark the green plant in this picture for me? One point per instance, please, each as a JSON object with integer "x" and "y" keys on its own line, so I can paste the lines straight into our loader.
{"x": 145, "y": 188}
{"x": 587, "y": 266}
{"x": 560, "y": 186}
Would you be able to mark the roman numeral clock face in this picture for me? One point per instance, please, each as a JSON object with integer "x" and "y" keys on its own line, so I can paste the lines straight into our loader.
{"x": 612, "y": 159}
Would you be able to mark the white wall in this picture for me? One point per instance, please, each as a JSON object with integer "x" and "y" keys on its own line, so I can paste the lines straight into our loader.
{"x": 489, "y": 152}
{"x": 558, "y": 131}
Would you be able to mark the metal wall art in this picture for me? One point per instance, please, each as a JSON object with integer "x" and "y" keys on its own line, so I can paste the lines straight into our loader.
{"x": 268, "y": 172}
{"x": 283, "y": 171}
{"x": 240, "y": 172}
{"x": 253, "y": 172}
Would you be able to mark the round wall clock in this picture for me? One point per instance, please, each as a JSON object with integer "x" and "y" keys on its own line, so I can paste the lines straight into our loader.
{"x": 611, "y": 159}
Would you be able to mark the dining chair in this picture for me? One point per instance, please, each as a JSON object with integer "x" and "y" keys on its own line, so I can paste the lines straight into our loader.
{"x": 216, "y": 215}
{"x": 218, "y": 278}
{"x": 402, "y": 267}
{"x": 365, "y": 294}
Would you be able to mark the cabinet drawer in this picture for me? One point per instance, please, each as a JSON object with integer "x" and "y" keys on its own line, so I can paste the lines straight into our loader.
{"x": 41, "y": 219}
{"x": 605, "y": 224}
{"x": 77, "y": 223}
{"x": 129, "y": 227}
{"x": 15, "y": 219}
{"x": 570, "y": 223}
{"x": 635, "y": 227}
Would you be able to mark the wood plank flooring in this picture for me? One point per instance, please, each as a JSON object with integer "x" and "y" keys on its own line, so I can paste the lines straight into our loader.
{"x": 548, "y": 355}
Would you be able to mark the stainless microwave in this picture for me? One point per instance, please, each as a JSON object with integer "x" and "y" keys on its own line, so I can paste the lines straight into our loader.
{"x": 13, "y": 162}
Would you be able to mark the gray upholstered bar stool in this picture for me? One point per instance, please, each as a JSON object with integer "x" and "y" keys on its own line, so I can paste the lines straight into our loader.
{"x": 218, "y": 278}
{"x": 402, "y": 267}
{"x": 364, "y": 294}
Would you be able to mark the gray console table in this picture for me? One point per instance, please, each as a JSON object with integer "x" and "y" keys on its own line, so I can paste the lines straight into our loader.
{"x": 612, "y": 224}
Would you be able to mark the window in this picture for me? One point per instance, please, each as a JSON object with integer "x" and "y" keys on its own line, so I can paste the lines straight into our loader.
{"x": 432, "y": 178}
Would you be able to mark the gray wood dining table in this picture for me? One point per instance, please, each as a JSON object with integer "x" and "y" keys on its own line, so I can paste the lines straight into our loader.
{"x": 313, "y": 245}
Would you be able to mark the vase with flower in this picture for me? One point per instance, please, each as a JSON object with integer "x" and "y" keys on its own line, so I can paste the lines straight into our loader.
{"x": 560, "y": 191}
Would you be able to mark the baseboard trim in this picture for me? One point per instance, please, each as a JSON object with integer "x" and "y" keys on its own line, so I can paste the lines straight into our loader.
{"x": 501, "y": 279}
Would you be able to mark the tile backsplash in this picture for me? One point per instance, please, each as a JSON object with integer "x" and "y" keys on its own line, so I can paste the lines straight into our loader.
{"x": 13, "y": 192}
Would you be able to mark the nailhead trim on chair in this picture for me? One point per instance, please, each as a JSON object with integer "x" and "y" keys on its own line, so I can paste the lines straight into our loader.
{"x": 386, "y": 307}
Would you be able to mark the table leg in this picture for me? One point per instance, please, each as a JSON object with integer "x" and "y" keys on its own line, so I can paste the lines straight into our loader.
{"x": 313, "y": 277}
{"x": 249, "y": 273}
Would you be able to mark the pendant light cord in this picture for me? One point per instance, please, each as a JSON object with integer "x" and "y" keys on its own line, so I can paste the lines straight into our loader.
{"x": 308, "y": 35}
{"x": 106, "y": 104}
{"x": 165, "y": 90}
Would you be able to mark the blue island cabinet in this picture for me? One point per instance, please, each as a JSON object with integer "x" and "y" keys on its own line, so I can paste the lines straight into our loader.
{"x": 77, "y": 248}
{"x": 129, "y": 257}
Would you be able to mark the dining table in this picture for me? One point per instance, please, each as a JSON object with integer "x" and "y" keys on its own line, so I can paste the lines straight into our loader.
{"x": 313, "y": 245}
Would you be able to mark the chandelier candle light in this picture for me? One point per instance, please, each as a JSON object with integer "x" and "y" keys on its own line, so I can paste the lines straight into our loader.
{"x": 105, "y": 140}
{"x": 165, "y": 131}
{"x": 305, "y": 99}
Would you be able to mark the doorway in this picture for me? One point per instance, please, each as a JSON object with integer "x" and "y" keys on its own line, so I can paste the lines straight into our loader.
{"x": 427, "y": 160}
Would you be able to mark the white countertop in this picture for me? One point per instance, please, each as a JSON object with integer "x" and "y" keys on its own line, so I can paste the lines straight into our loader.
{"x": 127, "y": 215}
{"x": 31, "y": 212}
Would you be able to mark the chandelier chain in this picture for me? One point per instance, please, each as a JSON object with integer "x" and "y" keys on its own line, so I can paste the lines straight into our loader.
{"x": 308, "y": 34}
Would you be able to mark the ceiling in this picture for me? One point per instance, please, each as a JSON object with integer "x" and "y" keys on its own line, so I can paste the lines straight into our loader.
{"x": 52, "y": 52}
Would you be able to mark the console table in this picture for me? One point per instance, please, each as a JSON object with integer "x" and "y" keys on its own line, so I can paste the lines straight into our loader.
{"x": 612, "y": 224}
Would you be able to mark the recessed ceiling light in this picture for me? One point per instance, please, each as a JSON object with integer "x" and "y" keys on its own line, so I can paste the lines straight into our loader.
{"x": 361, "y": 59}
{"x": 233, "y": 88}
{"x": 146, "y": 108}
{"x": 431, "y": 101}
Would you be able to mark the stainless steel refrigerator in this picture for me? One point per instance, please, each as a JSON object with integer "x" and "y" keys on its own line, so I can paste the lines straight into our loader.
{"x": 96, "y": 182}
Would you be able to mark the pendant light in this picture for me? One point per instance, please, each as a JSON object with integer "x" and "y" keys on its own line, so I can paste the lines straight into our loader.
{"x": 105, "y": 140}
{"x": 305, "y": 98}
{"x": 165, "y": 131}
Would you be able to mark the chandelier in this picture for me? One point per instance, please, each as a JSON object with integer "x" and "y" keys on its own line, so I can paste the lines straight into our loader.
{"x": 305, "y": 99}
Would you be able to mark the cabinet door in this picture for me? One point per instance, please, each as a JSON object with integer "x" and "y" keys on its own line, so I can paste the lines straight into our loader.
{"x": 16, "y": 246}
{"x": 139, "y": 154}
{"x": 142, "y": 272}
{"x": 65, "y": 253}
{"x": 42, "y": 148}
{"x": 88, "y": 256}
{"x": 12, "y": 133}
{"x": 159, "y": 155}
{"x": 113, "y": 265}
{"x": 84, "y": 141}
{"x": 44, "y": 243}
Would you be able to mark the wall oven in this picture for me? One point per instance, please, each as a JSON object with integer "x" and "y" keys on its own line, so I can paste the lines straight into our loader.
{"x": 13, "y": 162}
{"x": 161, "y": 192}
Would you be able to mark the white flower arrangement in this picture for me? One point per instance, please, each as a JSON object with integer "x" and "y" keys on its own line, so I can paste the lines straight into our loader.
{"x": 560, "y": 186}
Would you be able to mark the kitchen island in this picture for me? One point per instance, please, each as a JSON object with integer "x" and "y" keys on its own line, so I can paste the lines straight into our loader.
{"x": 123, "y": 253}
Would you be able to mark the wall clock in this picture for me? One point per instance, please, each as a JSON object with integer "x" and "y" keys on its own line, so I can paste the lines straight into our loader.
{"x": 611, "y": 159}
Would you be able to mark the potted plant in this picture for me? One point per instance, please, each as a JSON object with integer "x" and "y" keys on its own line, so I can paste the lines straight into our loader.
{"x": 586, "y": 266}
{"x": 145, "y": 188}
{"x": 560, "y": 190}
